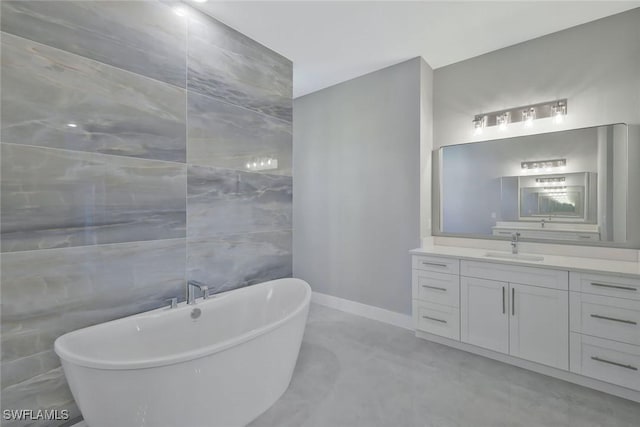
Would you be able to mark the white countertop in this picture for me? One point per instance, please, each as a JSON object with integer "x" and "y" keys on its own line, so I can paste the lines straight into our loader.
{"x": 589, "y": 265}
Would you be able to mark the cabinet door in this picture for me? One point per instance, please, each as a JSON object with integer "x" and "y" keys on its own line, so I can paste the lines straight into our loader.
{"x": 539, "y": 326}
{"x": 484, "y": 313}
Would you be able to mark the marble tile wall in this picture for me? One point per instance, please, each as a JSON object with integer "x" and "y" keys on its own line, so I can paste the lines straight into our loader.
{"x": 125, "y": 134}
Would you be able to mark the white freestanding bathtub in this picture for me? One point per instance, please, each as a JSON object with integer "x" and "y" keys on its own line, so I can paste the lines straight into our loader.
{"x": 163, "y": 368}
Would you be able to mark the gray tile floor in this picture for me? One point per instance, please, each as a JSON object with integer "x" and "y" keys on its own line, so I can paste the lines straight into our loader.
{"x": 356, "y": 372}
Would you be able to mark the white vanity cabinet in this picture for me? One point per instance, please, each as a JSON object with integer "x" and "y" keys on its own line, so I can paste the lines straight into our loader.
{"x": 484, "y": 318}
{"x": 565, "y": 319}
{"x": 605, "y": 328}
{"x": 436, "y": 295}
{"x": 529, "y": 321}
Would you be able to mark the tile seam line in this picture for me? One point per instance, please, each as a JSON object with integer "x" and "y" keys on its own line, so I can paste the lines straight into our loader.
{"x": 66, "y": 150}
{"x": 93, "y": 60}
{"x": 185, "y": 89}
{"x": 143, "y": 159}
{"x": 275, "y": 230}
{"x": 101, "y": 245}
{"x": 251, "y": 110}
{"x": 27, "y": 357}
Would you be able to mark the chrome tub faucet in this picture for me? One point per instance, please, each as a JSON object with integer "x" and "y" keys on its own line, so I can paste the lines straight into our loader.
{"x": 192, "y": 285}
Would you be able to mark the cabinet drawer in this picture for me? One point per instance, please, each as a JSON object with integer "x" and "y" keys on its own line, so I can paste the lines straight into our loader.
{"x": 612, "y": 318}
{"x": 601, "y": 284}
{"x": 555, "y": 279}
{"x": 606, "y": 360}
{"x": 437, "y": 264}
{"x": 437, "y": 319}
{"x": 438, "y": 288}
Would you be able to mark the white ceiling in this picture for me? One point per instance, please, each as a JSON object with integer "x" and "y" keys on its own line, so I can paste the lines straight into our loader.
{"x": 333, "y": 41}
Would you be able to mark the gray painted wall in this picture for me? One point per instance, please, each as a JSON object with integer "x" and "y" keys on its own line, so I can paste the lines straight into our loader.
{"x": 595, "y": 66}
{"x": 357, "y": 163}
{"x": 110, "y": 217}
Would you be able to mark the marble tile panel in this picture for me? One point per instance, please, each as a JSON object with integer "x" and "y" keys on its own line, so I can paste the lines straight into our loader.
{"x": 24, "y": 368}
{"x": 223, "y": 201}
{"x": 47, "y": 293}
{"x": 45, "y": 391}
{"x": 53, "y": 98}
{"x": 234, "y": 261}
{"x": 145, "y": 37}
{"x": 228, "y": 65}
{"x": 56, "y": 198}
{"x": 227, "y": 136}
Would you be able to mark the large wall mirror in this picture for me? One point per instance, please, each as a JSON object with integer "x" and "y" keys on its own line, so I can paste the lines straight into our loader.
{"x": 571, "y": 186}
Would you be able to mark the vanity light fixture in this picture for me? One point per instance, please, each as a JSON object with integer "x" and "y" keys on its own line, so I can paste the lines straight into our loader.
{"x": 539, "y": 165}
{"x": 558, "y": 111}
{"x": 552, "y": 180}
{"x": 72, "y": 125}
{"x": 502, "y": 120}
{"x": 479, "y": 123}
{"x": 262, "y": 163}
{"x": 526, "y": 114}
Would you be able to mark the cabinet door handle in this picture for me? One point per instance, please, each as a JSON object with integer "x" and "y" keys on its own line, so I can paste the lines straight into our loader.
{"x": 434, "y": 264}
{"x": 434, "y": 319}
{"x": 513, "y": 301}
{"x": 597, "y": 359}
{"x": 434, "y": 287}
{"x": 613, "y": 319}
{"x": 503, "y": 305}
{"x": 626, "y": 288}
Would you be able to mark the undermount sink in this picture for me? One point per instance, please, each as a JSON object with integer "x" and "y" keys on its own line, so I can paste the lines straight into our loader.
{"x": 521, "y": 257}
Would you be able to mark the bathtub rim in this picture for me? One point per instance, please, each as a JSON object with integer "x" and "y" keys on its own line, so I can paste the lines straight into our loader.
{"x": 185, "y": 356}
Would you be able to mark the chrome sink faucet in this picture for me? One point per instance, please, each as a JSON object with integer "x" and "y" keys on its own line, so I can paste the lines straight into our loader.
{"x": 192, "y": 285}
{"x": 514, "y": 243}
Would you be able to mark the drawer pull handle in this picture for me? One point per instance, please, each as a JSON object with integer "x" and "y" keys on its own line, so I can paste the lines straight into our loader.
{"x": 434, "y": 264}
{"x": 503, "y": 306}
{"x": 597, "y": 359}
{"x": 626, "y": 288}
{"x": 435, "y": 287}
{"x": 630, "y": 322}
{"x": 434, "y": 319}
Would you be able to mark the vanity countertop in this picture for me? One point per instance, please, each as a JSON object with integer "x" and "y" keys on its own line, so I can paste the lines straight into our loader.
{"x": 589, "y": 265}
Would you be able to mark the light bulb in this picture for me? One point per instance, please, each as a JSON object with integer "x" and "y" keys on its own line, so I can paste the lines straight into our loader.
{"x": 72, "y": 125}
{"x": 559, "y": 118}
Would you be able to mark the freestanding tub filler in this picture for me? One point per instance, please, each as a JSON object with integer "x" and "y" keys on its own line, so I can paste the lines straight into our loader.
{"x": 218, "y": 363}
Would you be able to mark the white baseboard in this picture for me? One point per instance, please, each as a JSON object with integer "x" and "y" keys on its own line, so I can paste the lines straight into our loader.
{"x": 370, "y": 312}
